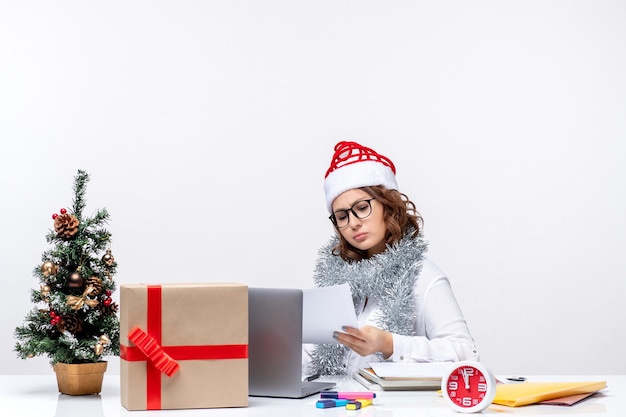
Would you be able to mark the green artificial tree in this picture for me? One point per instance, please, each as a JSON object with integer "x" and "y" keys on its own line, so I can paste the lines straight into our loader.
{"x": 74, "y": 319}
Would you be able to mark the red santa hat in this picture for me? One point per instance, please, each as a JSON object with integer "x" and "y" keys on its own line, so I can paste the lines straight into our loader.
{"x": 353, "y": 166}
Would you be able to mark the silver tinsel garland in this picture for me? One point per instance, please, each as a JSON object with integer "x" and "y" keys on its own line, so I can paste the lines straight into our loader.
{"x": 388, "y": 277}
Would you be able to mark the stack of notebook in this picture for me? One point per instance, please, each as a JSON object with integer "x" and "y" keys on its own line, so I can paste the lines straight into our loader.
{"x": 391, "y": 376}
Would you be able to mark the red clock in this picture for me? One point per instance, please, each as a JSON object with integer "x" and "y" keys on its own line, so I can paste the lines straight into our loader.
{"x": 468, "y": 387}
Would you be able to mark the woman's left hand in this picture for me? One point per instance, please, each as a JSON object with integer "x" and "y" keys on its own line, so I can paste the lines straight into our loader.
{"x": 366, "y": 340}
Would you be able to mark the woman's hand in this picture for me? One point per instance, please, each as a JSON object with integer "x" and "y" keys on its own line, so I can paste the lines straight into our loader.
{"x": 366, "y": 340}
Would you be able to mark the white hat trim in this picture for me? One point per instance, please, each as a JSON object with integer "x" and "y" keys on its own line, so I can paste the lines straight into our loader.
{"x": 358, "y": 174}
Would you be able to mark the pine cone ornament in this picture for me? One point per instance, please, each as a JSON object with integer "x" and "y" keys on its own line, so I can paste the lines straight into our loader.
{"x": 66, "y": 225}
{"x": 96, "y": 283}
{"x": 70, "y": 322}
{"x": 108, "y": 310}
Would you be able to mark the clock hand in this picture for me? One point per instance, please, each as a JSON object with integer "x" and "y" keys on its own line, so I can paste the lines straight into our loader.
{"x": 466, "y": 378}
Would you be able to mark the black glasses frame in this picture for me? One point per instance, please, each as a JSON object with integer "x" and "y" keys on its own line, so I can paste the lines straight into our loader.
{"x": 333, "y": 218}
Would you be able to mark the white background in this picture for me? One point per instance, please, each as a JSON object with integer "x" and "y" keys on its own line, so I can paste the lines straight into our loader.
{"x": 207, "y": 126}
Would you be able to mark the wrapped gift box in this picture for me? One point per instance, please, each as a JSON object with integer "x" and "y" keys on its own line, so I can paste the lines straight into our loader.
{"x": 183, "y": 346}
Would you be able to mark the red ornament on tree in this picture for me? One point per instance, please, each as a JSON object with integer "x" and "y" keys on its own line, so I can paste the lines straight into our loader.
{"x": 107, "y": 302}
{"x": 63, "y": 211}
{"x": 54, "y": 216}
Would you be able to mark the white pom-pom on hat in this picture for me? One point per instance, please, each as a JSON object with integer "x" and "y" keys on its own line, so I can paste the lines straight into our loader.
{"x": 354, "y": 166}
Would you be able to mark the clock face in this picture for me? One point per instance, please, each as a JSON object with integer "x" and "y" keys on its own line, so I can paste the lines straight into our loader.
{"x": 468, "y": 387}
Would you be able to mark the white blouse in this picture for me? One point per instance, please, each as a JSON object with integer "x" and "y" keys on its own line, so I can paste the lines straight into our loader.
{"x": 441, "y": 330}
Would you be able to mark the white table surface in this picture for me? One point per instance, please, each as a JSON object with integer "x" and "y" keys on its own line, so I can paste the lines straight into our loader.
{"x": 37, "y": 395}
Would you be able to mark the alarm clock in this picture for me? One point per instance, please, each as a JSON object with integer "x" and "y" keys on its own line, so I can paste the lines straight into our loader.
{"x": 468, "y": 387}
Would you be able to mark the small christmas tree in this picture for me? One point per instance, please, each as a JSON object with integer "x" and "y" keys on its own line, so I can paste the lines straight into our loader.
{"x": 74, "y": 319}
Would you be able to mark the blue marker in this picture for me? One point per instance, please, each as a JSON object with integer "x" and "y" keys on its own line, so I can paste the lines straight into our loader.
{"x": 330, "y": 403}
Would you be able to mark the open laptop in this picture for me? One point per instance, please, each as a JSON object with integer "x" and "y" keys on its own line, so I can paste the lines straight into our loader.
{"x": 275, "y": 345}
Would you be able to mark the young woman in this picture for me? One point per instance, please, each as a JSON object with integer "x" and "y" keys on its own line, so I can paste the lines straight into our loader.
{"x": 405, "y": 306}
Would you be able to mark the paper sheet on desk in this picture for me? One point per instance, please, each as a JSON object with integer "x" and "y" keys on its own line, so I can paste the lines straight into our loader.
{"x": 568, "y": 401}
{"x": 325, "y": 310}
{"x": 434, "y": 370}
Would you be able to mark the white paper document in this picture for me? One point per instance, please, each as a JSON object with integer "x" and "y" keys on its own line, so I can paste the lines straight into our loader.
{"x": 324, "y": 311}
{"x": 410, "y": 370}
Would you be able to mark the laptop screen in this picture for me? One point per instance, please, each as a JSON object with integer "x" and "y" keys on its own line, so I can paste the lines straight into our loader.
{"x": 275, "y": 343}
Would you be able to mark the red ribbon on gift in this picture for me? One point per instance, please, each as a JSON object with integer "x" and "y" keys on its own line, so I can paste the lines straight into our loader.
{"x": 163, "y": 359}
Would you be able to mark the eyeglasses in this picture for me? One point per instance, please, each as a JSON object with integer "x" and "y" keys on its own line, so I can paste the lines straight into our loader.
{"x": 361, "y": 209}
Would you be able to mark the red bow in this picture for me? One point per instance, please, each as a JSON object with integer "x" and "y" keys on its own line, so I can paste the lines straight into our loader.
{"x": 153, "y": 351}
